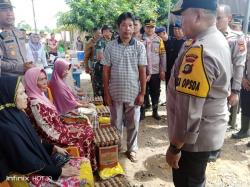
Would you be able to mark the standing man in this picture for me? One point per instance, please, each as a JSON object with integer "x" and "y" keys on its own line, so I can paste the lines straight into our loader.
{"x": 173, "y": 46}
{"x": 237, "y": 43}
{"x": 197, "y": 94}
{"x": 90, "y": 56}
{"x": 12, "y": 43}
{"x": 124, "y": 76}
{"x": 52, "y": 45}
{"x": 158, "y": 66}
{"x": 98, "y": 67}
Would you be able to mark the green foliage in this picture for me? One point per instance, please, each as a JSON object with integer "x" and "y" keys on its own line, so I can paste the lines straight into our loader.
{"x": 24, "y": 25}
{"x": 87, "y": 14}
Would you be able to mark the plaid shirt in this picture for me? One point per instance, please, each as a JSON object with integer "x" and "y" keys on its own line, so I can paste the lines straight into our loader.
{"x": 124, "y": 85}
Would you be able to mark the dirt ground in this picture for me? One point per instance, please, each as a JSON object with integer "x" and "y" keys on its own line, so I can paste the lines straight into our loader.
{"x": 232, "y": 169}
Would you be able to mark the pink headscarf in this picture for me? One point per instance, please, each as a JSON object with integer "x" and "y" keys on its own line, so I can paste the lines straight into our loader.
{"x": 62, "y": 95}
{"x": 32, "y": 90}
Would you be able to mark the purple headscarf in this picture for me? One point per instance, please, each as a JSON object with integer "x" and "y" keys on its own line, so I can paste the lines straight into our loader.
{"x": 63, "y": 97}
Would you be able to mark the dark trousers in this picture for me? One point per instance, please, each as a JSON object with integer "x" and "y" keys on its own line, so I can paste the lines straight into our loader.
{"x": 97, "y": 80}
{"x": 154, "y": 89}
{"x": 245, "y": 102}
{"x": 192, "y": 168}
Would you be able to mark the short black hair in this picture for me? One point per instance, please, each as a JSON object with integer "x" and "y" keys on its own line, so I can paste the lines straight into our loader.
{"x": 23, "y": 30}
{"x": 106, "y": 27}
{"x": 96, "y": 29}
{"x": 124, "y": 16}
{"x": 138, "y": 19}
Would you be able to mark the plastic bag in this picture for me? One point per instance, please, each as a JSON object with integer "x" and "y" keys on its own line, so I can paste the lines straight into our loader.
{"x": 111, "y": 172}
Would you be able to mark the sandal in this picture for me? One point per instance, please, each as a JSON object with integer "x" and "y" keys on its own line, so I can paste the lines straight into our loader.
{"x": 131, "y": 156}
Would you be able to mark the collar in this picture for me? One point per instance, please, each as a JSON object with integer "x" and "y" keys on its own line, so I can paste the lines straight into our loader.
{"x": 208, "y": 31}
{"x": 131, "y": 42}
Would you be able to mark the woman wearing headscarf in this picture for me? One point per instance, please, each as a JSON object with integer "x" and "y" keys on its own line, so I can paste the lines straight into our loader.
{"x": 35, "y": 51}
{"x": 48, "y": 122}
{"x": 21, "y": 150}
{"x": 63, "y": 97}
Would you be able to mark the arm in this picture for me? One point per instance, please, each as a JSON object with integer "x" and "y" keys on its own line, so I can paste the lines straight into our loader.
{"x": 88, "y": 53}
{"x": 142, "y": 62}
{"x": 50, "y": 125}
{"x": 43, "y": 57}
{"x": 163, "y": 60}
{"x": 239, "y": 53}
{"x": 106, "y": 75}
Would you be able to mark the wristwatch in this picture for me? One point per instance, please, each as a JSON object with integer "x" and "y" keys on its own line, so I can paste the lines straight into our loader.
{"x": 174, "y": 149}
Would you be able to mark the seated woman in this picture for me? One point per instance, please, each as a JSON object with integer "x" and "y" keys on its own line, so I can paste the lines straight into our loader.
{"x": 21, "y": 150}
{"x": 63, "y": 97}
{"x": 48, "y": 122}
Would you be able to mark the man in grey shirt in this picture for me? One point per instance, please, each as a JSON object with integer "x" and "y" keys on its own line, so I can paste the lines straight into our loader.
{"x": 12, "y": 43}
{"x": 197, "y": 94}
{"x": 124, "y": 77}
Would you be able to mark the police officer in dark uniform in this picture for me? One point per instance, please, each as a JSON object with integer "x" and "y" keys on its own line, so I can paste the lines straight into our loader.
{"x": 12, "y": 43}
{"x": 173, "y": 46}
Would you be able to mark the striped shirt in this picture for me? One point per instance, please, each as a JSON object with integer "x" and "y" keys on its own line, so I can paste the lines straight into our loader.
{"x": 124, "y": 85}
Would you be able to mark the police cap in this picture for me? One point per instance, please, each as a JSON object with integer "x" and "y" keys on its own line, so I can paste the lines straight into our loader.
{"x": 204, "y": 4}
{"x": 5, "y": 4}
{"x": 150, "y": 23}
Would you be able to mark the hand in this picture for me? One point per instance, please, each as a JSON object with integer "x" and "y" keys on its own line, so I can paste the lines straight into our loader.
{"x": 28, "y": 65}
{"x": 148, "y": 78}
{"x": 108, "y": 99}
{"x": 233, "y": 99}
{"x": 162, "y": 75}
{"x": 69, "y": 171}
{"x": 84, "y": 104}
{"x": 87, "y": 70}
{"x": 57, "y": 149}
{"x": 139, "y": 100}
{"x": 246, "y": 84}
{"x": 80, "y": 93}
{"x": 173, "y": 159}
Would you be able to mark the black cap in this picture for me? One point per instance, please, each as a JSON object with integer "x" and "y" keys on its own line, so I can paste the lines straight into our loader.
{"x": 106, "y": 27}
{"x": 205, "y": 4}
{"x": 160, "y": 29}
{"x": 150, "y": 23}
{"x": 5, "y": 4}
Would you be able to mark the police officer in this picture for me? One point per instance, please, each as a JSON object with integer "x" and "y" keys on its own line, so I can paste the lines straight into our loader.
{"x": 157, "y": 65}
{"x": 173, "y": 46}
{"x": 237, "y": 43}
{"x": 12, "y": 43}
{"x": 98, "y": 67}
{"x": 197, "y": 94}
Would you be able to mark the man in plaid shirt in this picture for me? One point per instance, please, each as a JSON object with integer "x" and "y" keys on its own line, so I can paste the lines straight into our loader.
{"x": 124, "y": 76}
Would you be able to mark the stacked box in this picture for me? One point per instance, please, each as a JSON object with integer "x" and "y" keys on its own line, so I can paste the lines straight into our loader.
{"x": 107, "y": 140}
{"x": 119, "y": 181}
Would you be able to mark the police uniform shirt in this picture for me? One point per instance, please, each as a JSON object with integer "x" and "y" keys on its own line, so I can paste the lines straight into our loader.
{"x": 197, "y": 93}
{"x": 12, "y": 45}
{"x": 237, "y": 43}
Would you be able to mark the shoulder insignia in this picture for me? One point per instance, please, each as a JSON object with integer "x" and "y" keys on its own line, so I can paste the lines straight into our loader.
{"x": 189, "y": 43}
{"x": 192, "y": 78}
{"x": 241, "y": 45}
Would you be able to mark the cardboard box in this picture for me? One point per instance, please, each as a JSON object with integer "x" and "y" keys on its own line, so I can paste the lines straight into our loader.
{"x": 108, "y": 156}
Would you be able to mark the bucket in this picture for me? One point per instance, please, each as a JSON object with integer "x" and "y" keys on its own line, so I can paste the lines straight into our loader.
{"x": 80, "y": 56}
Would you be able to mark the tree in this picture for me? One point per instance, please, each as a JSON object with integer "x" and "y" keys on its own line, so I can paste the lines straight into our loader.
{"x": 24, "y": 25}
{"x": 87, "y": 14}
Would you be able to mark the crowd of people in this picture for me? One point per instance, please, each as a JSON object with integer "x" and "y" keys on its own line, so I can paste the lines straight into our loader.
{"x": 204, "y": 64}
